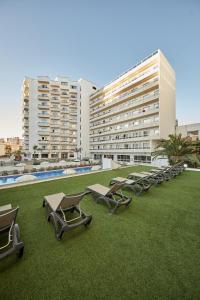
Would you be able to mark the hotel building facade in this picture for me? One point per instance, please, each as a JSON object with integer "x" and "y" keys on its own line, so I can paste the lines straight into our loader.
{"x": 52, "y": 124}
{"x": 129, "y": 115}
{"x": 189, "y": 130}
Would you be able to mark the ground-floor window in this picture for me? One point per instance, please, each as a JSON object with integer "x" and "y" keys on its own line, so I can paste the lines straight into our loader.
{"x": 64, "y": 155}
{"x": 125, "y": 158}
{"x": 97, "y": 156}
{"x": 142, "y": 158}
{"x": 55, "y": 155}
{"x": 35, "y": 155}
{"x": 44, "y": 155}
{"x": 71, "y": 155}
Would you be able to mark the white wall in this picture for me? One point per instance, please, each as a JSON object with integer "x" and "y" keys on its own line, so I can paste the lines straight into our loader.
{"x": 33, "y": 115}
{"x": 84, "y": 116}
{"x": 167, "y": 98}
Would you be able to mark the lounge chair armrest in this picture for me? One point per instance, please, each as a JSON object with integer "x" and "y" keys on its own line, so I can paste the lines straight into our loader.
{"x": 87, "y": 192}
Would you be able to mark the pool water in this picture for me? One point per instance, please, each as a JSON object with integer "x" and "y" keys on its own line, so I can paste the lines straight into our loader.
{"x": 42, "y": 175}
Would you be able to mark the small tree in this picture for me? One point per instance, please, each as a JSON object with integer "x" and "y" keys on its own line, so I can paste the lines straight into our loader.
{"x": 176, "y": 148}
{"x": 35, "y": 148}
{"x": 77, "y": 150}
{"x": 18, "y": 155}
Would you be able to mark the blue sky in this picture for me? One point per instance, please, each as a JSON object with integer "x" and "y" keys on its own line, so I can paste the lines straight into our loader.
{"x": 96, "y": 40}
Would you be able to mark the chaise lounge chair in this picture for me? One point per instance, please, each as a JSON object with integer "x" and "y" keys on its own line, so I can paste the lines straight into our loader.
{"x": 59, "y": 206}
{"x": 146, "y": 179}
{"x": 162, "y": 173}
{"x": 157, "y": 179}
{"x": 171, "y": 170}
{"x": 9, "y": 232}
{"x": 137, "y": 186}
{"x": 113, "y": 197}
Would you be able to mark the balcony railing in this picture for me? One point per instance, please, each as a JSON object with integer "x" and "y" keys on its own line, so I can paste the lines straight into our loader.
{"x": 123, "y": 97}
{"x": 125, "y": 86}
{"x": 43, "y": 88}
{"x": 43, "y": 106}
{"x": 43, "y": 115}
{"x": 130, "y": 128}
{"x": 139, "y": 101}
{"x": 129, "y": 150}
{"x": 128, "y": 118}
{"x": 44, "y": 124}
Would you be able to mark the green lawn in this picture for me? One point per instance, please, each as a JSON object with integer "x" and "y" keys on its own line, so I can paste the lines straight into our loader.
{"x": 150, "y": 250}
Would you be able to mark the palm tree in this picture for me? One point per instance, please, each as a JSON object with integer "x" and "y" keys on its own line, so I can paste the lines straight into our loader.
{"x": 18, "y": 155}
{"x": 35, "y": 148}
{"x": 77, "y": 150}
{"x": 176, "y": 149}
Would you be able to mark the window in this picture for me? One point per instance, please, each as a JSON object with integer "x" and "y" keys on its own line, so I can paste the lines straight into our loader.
{"x": 156, "y": 105}
{"x": 97, "y": 156}
{"x": 146, "y": 145}
{"x": 142, "y": 158}
{"x": 146, "y": 133}
{"x": 125, "y": 158}
{"x": 156, "y": 131}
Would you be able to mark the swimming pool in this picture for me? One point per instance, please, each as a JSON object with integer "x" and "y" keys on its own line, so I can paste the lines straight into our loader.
{"x": 4, "y": 180}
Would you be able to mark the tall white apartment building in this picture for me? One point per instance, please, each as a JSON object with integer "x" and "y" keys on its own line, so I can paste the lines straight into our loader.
{"x": 129, "y": 115}
{"x": 52, "y": 124}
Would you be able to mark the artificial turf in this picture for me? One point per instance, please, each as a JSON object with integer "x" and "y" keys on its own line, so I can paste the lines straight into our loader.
{"x": 150, "y": 250}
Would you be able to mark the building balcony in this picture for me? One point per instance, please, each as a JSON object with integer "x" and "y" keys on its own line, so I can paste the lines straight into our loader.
{"x": 64, "y": 104}
{"x": 55, "y": 92}
{"x": 43, "y": 142}
{"x": 47, "y": 115}
{"x": 44, "y": 132}
{"x": 55, "y": 100}
{"x": 43, "y": 89}
{"x": 126, "y": 97}
{"x": 121, "y": 150}
{"x": 133, "y": 83}
{"x": 43, "y": 124}
{"x": 138, "y": 102}
{"x": 55, "y": 117}
{"x": 52, "y": 142}
{"x": 125, "y": 140}
{"x": 25, "y": 105}
{"x": 25, "y": 123}
{"x": 73, "y": 120}
{"x": 64, "y": 112}
{"x": 126, "y": 119}
{"x": 43, "y": 106}
{"x": 128, "y": 129}
{"x": 43, "y": 96}
{"x": 25, "y": 114}
{"x": 55, "y": 109}
{"x": 54, "y": 125}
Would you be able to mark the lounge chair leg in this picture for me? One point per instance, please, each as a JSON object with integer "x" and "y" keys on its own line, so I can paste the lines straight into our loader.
{"x": 88, "y": 222}
{"x": 21, "y": 252}
{"x": 59, "y": 235}
{"x": 138, "y": 190}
